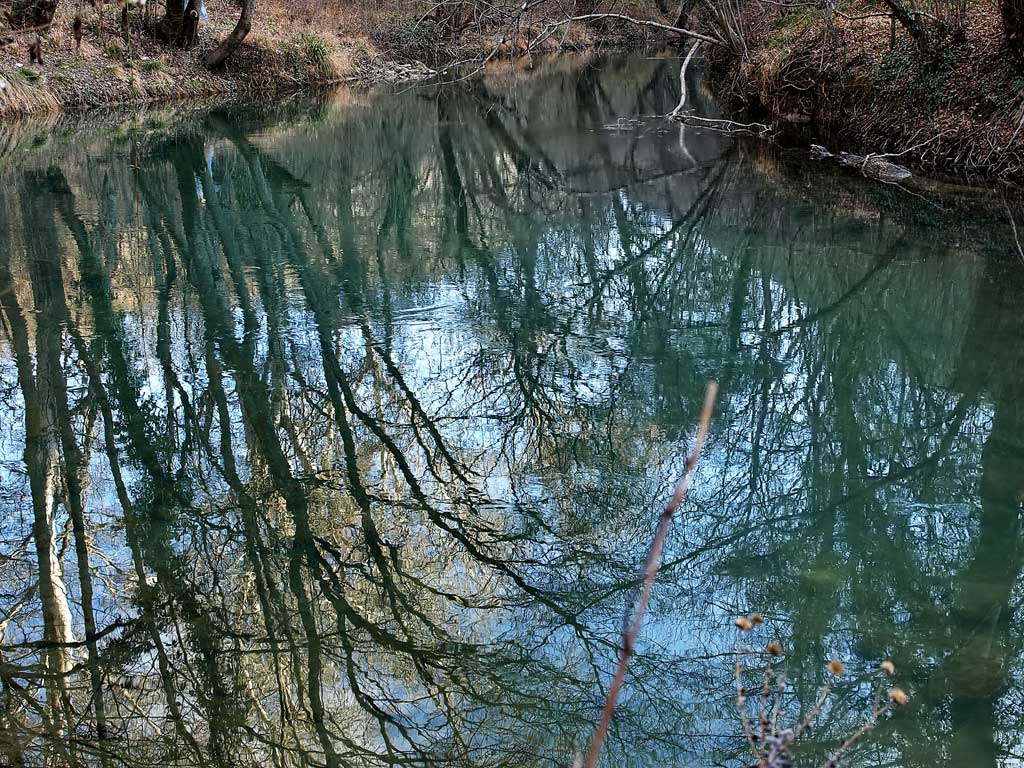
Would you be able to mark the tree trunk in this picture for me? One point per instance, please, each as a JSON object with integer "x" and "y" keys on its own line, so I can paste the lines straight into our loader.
{"x": 909, "y": 21}
{"x": 1012, "y": 12}
{"x": 26, "y": 14}
{"x": 174, "y": 20}
{"x": 223, "y": 51}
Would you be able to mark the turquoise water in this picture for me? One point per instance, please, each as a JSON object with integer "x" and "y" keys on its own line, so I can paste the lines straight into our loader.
{"x": 335, "y": 432}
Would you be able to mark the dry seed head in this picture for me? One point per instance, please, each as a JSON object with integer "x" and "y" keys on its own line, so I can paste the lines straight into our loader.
{"x": 744, "y": 623}
{"x": 774, "y": 649}
{"x": 836, "y": 667}
{"x": 899, "y": 697}
{"x": 756, "y": 618}
{"x": 888, "y": 667}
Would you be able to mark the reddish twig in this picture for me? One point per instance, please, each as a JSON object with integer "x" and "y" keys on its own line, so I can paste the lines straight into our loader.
{"x": 818, "y": 706}
{"x": 649, "y": 574}
{"x": 741, "y": 707}
{"x": 762, "y": 714}
{"x": 854, "y": 737}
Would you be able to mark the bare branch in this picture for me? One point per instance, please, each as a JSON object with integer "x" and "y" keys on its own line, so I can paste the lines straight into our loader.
{"x": 682, "y": 79}
{"x": 639, "y": 22}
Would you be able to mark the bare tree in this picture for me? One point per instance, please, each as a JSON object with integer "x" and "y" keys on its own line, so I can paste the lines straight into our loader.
{"x": 223, "y": 51}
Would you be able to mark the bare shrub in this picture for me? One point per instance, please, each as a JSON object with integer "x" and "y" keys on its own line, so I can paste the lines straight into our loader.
{"x": 403, "y": 37}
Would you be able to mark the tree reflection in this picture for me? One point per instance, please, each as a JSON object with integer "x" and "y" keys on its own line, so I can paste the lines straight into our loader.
{"x": 336, "y": 436}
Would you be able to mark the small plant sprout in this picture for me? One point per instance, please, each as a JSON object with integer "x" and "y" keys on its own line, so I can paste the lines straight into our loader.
{"x": 760, "y": 708}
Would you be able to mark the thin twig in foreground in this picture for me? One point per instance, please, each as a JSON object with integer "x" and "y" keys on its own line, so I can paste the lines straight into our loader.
{"x": 856, "y": 736}
{"x": 650, "y": 572}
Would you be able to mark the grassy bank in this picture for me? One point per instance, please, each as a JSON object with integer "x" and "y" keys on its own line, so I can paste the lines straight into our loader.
{"x": 287, "y": 50}
{"x": 856, "y": 82}
{"x": 845, "y": 76}
{"x": 293, "y": 45}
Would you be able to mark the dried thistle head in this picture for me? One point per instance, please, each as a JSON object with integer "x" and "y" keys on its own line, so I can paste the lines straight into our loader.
{"x": 888, "y": 667}
{"x": 899, "y": 697}
{"x": 836, "y": 667}
{"x": 774, "y": 649}
{"x": 756, "y": 618}
{"x": 744, "y": 623}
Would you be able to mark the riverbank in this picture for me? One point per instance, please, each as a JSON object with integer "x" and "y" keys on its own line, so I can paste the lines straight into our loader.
{"x": 281, "y": 54}
{"x": 292, "y": 46}
{"x": 850, "y": 82}
{"x": 846, "y": 79}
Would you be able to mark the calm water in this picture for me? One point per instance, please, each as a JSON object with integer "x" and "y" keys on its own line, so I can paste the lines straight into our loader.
{"x": 334, "y": 435}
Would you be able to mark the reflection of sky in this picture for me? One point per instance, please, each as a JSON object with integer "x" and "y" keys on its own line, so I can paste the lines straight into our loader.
{"x": 441, "y": 342}
{"x": 574, "y": 403}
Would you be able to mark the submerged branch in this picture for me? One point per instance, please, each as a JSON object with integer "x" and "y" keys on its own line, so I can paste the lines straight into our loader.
{"x": 724, "y": 126}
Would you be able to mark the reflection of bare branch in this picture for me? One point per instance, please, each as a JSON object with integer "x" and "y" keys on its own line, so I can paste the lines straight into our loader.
{"x": 1013, "y": 225}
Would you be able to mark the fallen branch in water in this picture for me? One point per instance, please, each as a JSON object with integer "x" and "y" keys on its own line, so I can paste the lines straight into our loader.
{"x": 871, "y": 165}
{"x": 913, "y": 148}
{"x": 649, "y": 573}
{"x": 724, "y": 126}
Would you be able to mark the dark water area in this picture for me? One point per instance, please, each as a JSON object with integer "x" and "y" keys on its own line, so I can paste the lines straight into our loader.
{"x": 334, "y": 433}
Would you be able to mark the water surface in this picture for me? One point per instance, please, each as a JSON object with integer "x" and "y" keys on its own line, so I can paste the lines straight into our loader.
{"x": 333, "y": 433}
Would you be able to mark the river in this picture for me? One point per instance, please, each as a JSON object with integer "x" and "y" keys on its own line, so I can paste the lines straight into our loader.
{"x": 334, "y": 432}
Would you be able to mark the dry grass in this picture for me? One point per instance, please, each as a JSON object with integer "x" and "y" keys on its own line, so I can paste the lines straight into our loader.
{"x": 282, "y": 53}
{"x": 23, "y": 91}
{"x": 293, "y": 45}
{"x": 409, "y": 30}
{"x": 966, "y": 100}
{"x": 351, "y": 20}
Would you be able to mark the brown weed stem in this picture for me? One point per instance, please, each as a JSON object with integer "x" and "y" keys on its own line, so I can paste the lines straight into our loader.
{"x": 650, "y": 572}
